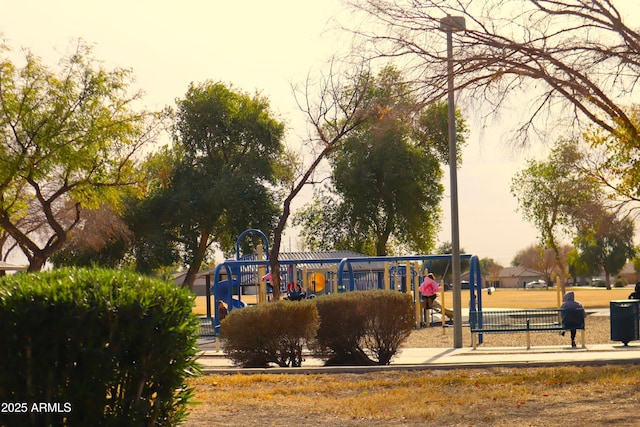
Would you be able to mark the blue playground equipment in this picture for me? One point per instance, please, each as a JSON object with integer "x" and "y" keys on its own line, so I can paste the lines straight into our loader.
{"x": 341, "y": 272}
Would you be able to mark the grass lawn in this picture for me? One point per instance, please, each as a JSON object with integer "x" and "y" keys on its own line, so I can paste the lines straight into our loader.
{"x": 484, "y": 396}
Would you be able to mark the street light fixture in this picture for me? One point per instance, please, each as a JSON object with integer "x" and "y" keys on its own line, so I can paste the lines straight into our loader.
{"x": 449, "y": 25}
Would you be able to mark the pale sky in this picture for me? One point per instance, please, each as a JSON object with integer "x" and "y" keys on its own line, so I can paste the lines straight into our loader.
{"x": 265, "y": 46}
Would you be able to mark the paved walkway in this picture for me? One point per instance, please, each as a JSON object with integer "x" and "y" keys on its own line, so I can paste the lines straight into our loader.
{"x": 214, "y": 361}
{"x": 448, "y": 358}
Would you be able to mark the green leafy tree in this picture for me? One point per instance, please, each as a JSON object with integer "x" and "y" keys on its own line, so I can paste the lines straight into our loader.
{"x": 550, "y": 193}
{"x": 68, "y": 141}
{"x": 580, "y": 267}
{"x": 608, "y": 244}
{"x": 218, "y": 181}
{"x": 387, "y": 176}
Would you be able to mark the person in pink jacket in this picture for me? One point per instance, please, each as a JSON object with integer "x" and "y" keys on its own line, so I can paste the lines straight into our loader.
{"x": 429, "y": 289}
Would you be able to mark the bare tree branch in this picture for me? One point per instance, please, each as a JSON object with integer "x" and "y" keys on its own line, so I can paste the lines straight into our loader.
{"x": 578, "y": 54}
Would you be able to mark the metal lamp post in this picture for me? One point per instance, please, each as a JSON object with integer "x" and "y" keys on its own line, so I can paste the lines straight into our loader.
{"x": 451, "y": 24}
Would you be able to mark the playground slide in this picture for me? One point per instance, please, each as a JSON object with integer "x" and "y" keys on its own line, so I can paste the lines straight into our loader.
{"x": 238, "y": 304}
{"x": 448, "y": 312}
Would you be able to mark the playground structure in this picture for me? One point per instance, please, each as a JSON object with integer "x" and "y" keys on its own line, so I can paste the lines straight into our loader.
{"x": 329, "y": 272}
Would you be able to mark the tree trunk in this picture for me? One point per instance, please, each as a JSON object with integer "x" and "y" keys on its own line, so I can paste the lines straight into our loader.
{"x": 274, "y": 263}
{"x": 198, "y": 256}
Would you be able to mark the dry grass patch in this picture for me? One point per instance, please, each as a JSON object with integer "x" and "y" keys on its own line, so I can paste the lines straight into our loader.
{"x": 498, "y": 396}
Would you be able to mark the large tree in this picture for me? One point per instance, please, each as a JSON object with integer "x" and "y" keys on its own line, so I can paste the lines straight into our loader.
{"x": 551, "y": 194}
{"x": 68, "y": 141}
{"x": 217, "y": 181}
{"x": 613, "y": 160}
{"x": 387, "y": 176}
{"x": 606, "y": 242}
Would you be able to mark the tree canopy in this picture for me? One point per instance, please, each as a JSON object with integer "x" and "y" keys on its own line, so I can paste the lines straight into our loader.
{"x": 563, "y": 199}
{"x": 551, "y": 193}
{"x": 68, "y": 141}
{"x": 553, "y": 66}
{"x": 387, "y": 176}
{"x": 606, "y": 243}
{"x": 217, "y": 180}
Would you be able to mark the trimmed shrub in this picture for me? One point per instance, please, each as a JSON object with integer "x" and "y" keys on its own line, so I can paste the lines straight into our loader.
{"x": 342, "y": 328}
{"x": 390, "y": 325}
{"x": 269, "y": 333}
{"x": 100, "y": 347}
{"x": 363, "y": 328}
{"x": 620, "y": 282}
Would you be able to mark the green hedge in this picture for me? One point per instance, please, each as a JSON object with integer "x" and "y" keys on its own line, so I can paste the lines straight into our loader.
{"x": 363, "y": 328}
{"x": 99, "y": 347}
{"x": 269, "y": 333}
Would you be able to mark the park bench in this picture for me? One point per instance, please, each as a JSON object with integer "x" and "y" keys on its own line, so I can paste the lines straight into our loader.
{"x": 207, "y": 328}
{"x": 531, "y": 320}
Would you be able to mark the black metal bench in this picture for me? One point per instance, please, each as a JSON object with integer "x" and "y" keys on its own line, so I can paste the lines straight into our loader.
{"x": 532, "y": 320}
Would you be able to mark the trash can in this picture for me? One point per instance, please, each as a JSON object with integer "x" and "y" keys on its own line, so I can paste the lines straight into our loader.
{"x": 624, "y": 320}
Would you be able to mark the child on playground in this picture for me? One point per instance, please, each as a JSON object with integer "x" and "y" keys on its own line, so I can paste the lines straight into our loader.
{"x": 429, "y": 289}
{"x": 222, "y": 310}
{"x": 297, "y": 294}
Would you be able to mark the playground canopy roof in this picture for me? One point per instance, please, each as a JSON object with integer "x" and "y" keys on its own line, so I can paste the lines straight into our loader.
{"x": 321, "y": 259}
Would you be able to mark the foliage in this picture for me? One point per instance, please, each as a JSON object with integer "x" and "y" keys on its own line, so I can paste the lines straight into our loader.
{"x": 269, "y": 333}
{"x": 620, "y": 282}
{"x": 333, "y": 116}
{"x": 341, "y": 329}
{"x": 354, "y": 322}
{"x": 387, "y": 176}
{"x": 391, "y": 320}
{"x": 615, "y": 161}
{"x": 101, "y": 239}
{"x": 217, "y": 181}
{"x": 490, "y": 269}
{"x": 608, "y": 243}
{"x": 580, "y": 267}
{"x": 553, "y": 194}
{"x": 68, "y": 141}
{"x": 115, "y": 345}
{"x": 543, "y": 259}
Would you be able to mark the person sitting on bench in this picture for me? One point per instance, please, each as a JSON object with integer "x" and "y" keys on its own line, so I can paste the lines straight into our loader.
{"x": 572, "y": 315}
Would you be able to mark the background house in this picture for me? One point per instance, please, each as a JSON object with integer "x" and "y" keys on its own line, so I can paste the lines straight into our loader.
{"x": 516, "y": 277}
{"x": 629, "y": 273}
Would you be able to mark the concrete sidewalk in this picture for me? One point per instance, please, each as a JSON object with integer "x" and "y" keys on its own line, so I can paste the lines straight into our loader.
{"x": 448, "y": 358}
